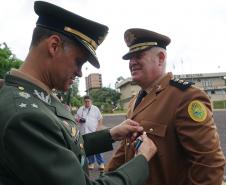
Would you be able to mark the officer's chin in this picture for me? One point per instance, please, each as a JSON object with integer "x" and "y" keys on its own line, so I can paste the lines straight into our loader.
{"x": 65, "y": 87}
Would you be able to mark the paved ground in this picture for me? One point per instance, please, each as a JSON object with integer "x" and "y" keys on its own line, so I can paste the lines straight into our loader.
{"x": 110, "y": 121}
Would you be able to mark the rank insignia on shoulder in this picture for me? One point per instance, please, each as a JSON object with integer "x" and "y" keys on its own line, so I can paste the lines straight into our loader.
{"x": 181, "y": 84}
{"x": 24, "y": 94}
{"x": 21, "y": 88}
{"x": 197, "y": 111}
{"x": 34, "y": 105}
{"x": 23, "y": 105}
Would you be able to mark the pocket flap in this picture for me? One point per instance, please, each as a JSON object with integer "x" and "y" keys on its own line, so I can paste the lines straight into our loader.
{"x": 154, "y": 128}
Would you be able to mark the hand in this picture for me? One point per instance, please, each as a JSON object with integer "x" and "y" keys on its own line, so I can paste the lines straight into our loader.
{"x": 147, "y": 148}
{"x": 125, "y": 129}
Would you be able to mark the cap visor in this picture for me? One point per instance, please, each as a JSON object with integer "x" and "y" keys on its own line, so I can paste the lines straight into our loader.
{"x": 92, "y": 59}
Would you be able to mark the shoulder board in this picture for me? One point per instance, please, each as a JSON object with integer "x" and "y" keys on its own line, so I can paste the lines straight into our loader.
{"x": 181, "y": 84}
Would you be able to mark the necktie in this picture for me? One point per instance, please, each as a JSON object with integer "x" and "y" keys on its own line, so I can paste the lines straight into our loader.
{"x": 140, "y": 96}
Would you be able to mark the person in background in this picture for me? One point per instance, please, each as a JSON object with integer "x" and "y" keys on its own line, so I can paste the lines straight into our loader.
{"x": 177, "y": 116}
{"x": 40, "y": 142}
{"x": 90, "y": 120}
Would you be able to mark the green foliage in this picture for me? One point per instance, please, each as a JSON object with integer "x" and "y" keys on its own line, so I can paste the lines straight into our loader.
{"x": 72, "y": 97}
{"x": 7, "y": 60}
{"x": 219, "y": 104}
{"x": 76, "y": 101}
{"x": 105, "y": 98}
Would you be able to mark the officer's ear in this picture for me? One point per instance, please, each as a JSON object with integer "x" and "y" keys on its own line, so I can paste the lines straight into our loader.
{"x": 54, "y": 44}
{"x": 162, "y": 57}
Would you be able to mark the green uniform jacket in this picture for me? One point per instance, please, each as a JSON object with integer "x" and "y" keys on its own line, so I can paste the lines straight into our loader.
{"x": 41, "y": 145}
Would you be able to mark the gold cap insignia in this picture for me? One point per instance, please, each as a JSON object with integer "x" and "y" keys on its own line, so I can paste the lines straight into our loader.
{"x": 197, "y": 111}
{"x": 129, "y": 38}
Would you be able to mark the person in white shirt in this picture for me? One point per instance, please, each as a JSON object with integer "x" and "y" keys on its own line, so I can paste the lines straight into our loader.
{"x": 90, "y": 120}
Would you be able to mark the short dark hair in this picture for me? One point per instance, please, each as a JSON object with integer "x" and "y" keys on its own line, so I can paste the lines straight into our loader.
{"x": 87, "y": 97}
{"x": 41, "y": 33}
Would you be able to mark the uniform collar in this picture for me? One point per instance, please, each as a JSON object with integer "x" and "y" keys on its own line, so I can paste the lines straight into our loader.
{"x": 160, "y": 84}
{"x": 154, "y": 91}
{"x": 20, "y": 74}
{"x": 29, "y": 87}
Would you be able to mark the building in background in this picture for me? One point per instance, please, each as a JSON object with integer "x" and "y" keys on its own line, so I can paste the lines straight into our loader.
{"x": 93, "y": 81}
{"x": 212, "y": 83}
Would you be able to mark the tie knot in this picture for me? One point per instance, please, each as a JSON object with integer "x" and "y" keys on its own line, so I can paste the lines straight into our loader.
{"x": 140, "y": 96}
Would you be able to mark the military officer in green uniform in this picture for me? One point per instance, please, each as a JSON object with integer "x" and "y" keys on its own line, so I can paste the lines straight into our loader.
{"x": 39, "y": 140}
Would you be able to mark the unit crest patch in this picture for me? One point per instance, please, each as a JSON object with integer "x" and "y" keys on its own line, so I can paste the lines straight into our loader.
{"x": 197, "y": 111}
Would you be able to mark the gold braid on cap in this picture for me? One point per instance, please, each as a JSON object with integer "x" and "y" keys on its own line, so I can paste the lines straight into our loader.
{"x": 85, "y": 38}
{"x": 133, "y": 47}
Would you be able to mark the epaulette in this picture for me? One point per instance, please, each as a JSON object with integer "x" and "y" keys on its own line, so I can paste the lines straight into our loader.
{"x": 181, "y": 84}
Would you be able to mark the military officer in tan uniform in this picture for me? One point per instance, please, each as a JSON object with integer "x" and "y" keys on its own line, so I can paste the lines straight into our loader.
{"x": 176, "y": 116}
{"x": 39, "y": 140}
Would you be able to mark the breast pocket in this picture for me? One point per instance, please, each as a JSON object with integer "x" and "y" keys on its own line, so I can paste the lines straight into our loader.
{"x": 154, "y": 129}
{"x": 157, "y": 132}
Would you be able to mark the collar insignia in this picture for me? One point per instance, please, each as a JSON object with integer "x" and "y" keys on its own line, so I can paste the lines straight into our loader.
{"x": 42, "y": 96}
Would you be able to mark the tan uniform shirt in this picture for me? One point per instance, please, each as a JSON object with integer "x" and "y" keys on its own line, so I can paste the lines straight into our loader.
{"x": 181, "y": 124}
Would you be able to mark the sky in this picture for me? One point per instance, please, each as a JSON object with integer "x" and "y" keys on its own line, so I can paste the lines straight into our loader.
{"x": 197, "y": 29}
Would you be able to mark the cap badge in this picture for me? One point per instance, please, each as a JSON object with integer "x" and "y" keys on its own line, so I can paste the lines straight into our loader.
{"x": 197, "y": 111}
{"x": 129, "y": 38}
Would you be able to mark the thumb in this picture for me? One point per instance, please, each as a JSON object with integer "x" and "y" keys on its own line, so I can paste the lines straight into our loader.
{"x": 133, "y": 123}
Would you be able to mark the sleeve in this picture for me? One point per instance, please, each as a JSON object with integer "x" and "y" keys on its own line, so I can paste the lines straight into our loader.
{"x": 198, "y": 135}
{"x": 79, "y": 112}
{"x": 118, "y": 158}
{"x": 36, "y": 152}
{"x": 97, "y": 142}
{"x": 99, "y": 115}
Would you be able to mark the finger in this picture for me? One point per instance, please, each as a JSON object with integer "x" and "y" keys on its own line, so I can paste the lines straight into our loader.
{"x": 144, "y": 135}
{"x": 136, "y": 128}
{"x": 134, "y": 136}
{"x": 133, "y": 123}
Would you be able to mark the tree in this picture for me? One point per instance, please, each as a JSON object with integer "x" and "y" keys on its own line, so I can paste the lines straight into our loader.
{"x": 8, "y": 60}
{"x": 105, "y": 98}
{"x": 71, "y": 97}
